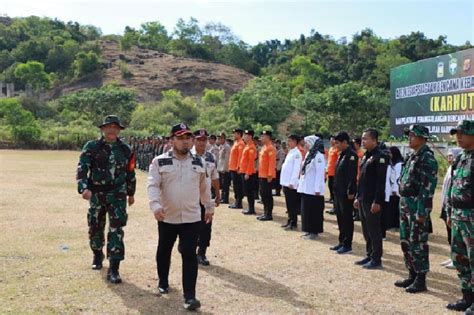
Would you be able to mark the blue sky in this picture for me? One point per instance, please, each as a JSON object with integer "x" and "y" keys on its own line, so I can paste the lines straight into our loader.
{"x": 256, "y": 21}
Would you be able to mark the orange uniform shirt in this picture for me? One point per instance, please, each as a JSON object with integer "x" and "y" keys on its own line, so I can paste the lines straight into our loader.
{"x": 333, "y": 155}
{"x": 247, "y": 162}
{"x": 236, "y": 155}
{"x": 267, "y": 162}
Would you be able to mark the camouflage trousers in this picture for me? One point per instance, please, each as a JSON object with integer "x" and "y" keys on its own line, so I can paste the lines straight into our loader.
{"x": 462, "y": 252}
{"x": 114, "y": 205}
{"x": 414, "y": 237}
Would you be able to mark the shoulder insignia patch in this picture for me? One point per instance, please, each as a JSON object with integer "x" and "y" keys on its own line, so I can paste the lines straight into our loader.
{"x": 382, "y": 160}
{"x": 165, "y": 161}
{"x": 352, "y": 158}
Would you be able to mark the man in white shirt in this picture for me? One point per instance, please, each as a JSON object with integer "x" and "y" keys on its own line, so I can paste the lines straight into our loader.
{"x": 223, "y": 167}
{"x": 176, "y": 184}
{"x": 290, "y": 172}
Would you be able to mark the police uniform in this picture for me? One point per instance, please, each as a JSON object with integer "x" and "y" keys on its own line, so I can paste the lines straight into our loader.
{"x": 460, "y": 201}
{"x": 223, "y": 169}
{"x": 177, "y": 186}
{"x": 211, "y": 175}
{"x": 417, "y": 186}
{"x": 107, "y": 170}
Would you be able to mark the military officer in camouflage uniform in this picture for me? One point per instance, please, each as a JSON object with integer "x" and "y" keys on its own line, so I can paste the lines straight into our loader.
{"x": 105, "y": 177}
{"x": 417, "y": 186}
{"x": 461, "y": 214}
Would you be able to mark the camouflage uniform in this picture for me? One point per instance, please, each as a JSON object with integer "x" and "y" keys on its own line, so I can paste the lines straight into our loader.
{"x": 461, "y": 210}
{"x": 107, "y": 170}
{"x": 417, "y": 185}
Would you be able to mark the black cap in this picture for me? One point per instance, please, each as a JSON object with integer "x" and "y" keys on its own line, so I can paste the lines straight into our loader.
{"x": 201, "y": 133}
{"x": 180, "y": 129}
{"x": 237, "y": 130}
{"x": 267, "y": 133}
{"x": 249, "y": 132}
{"x": 294, "y": 137}
{"x": 342, "y": 136}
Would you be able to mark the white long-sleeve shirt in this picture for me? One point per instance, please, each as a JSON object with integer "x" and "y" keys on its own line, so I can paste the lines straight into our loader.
{"x": 290, "y": 169}
{"x": 393, "y": 174}
{"x": 177, "y": 186}
{"x": 312, "y": 181}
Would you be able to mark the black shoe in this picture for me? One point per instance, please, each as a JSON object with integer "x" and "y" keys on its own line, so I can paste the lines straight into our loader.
{"x": 202, "y": 260}
{"x": 419, "y": 285}
{"x": 113, "y": 275}
{"x": 363, "y": 261}
{"x": 192, "y": 304}
{"x": 236, "y": 205}
{"x": 224, "y": 201}
{"x": 371, "y": 265}
{"x": 266, "y": 218}
{"x": 332, "y": 211}
{"x": 286, "y": 225}
{"x": 405, "y": 283}
{"x": 98, "y": 259}
{"x": 462, "y": 304}
{"x": 291, "y": 227}
{"x": 470, "y": 310}
{"x": 336, "y": 247}
{"x": 163, "y": 290}
{"x": 248, "y": 212}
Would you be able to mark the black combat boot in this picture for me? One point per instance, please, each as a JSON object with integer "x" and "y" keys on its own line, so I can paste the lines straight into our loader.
{"x": 288, "y": 223}
{"x": 113, "y": 275}
{"x": 98, "y": 259}
{"x": 462, "y": 304}
{"x": 419, "y": 285}
{"x": 201, "y": 257}
{"x": 470, "y": 310}
{"x": 225, "y": 198}
{"x": 406, "y": 282}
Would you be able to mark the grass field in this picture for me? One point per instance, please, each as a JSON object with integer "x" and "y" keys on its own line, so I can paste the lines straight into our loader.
{"x": 256, "y": 267}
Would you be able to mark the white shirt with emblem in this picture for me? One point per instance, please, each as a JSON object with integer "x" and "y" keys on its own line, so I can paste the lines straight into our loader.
{"x": 290, "y": 169}
{"x": 177, "y": 186}
{"x": 312, "y": 181}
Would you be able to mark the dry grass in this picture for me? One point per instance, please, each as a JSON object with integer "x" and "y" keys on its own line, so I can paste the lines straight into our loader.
{"x": 256, "y": 266}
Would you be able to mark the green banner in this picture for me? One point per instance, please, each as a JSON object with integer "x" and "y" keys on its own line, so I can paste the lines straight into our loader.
{"x": 436, "y": 92}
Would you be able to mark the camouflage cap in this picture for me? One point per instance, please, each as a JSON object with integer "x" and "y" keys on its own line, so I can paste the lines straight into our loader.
{"x": 111, "y": 119}
{"x": 466, "y": 126}
{"x": 418, "y": 131}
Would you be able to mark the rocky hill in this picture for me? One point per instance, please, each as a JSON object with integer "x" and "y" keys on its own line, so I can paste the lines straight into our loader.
{"x": 153, "y": 72}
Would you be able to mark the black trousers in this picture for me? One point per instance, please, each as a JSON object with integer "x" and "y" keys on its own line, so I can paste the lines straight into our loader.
{"x": 312, "y": 216}
{"x": 238, "y": 186}
{"x": 331, "y": 187}
{"x": 293, "y": 204}
{"x": 188, "y": 237}
{"x": 205, "y": 232}
{"x": 250, "y": 190}
{"x": 345, "y": 219}
{"x": 224, "y": 179}
{"x": 266, "y": 194}
{"x": 371, "y": 227}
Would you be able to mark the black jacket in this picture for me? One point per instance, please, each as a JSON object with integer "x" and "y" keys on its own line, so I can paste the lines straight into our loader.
{"x": 373, "y": 172}
{"x": 345, "y": 180}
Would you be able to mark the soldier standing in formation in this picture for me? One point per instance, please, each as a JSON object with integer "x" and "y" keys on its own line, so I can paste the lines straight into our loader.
{"x": 105, "y": 177}
{"x": 461, "y": 214}
{"x": 177, "y": 184}
{"x": 417, "y": 186}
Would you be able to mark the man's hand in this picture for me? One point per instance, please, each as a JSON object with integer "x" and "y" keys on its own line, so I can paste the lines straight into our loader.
{"x": 159, "y": 214}
{"x": 356, "y": 204}
{"x": 269, "y": 179}
{"x": 218, "y": 199}
{"x": 246, "y": 177}
{"x": 350, "y": 197}
{"x": 87, "y": 194}
{"x": 375, "y": 208}
{"x": 131, "y": 200}
{"x": 208, "y": 217}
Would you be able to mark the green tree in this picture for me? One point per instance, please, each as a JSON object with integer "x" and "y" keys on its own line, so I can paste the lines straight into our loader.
{"x": 86, "y": 63}
{"x": 32, "y": 73}
{"x": 24, "y": 128}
